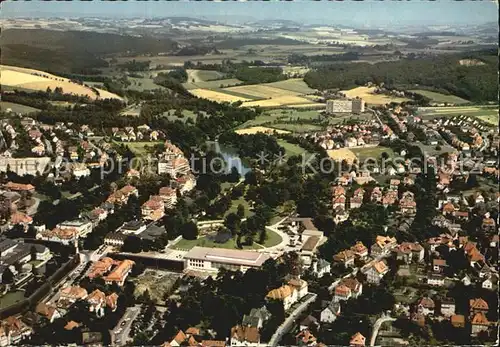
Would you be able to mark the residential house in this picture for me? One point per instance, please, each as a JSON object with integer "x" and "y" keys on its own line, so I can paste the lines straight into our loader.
{"x": 394, "y": 183}
{"x": 339, "y": 201}
{"x": 245, "y": 336}
{"x": 12, "y": 331}
{"x": 153, "y": 209}
{"x": 435, "y": 280}
{"x": 382, "y": 246}
{"x": 289, "y": 293}
{"x": 350, "y": 142}
{"x": 305, "y": 338}
{"x": 256, "y": 318}
{"x": 488, "y": 224}
{"x": 488, "y": 283}
{"x": 376, "y": 195}
{"x": 360, "y": 250}
{"x": 120, "y": 273}
{"x": 308, "y": 323}
{"x": 169, "y": 196}
{"x": 357, "y": 340}
{"x": 182, "y": 339}
{"x": 97, "y": 302}
{"x": 438, "y": 265}
{"x": 330, "y": 313}
{"x": 48, "y": 311}
{"x": 72, "y": 294}
{"x": 426, "y": 306}
{"x": 342, "y": 292}
{"x": 457, "y": 321}
{"x": 185, "y": 183}
{"x": 354, "y": 285}
{"x": 479, "y": 323}
{"x": 346, "y": 257}
{"x": 448, "y": 307}
{"x": 390, "y": 198}
{"x": 375, "y": 271}
{"x": 478, "y": 305}
{"x": 409, "y": 251}
{"x": 321, "y": 267}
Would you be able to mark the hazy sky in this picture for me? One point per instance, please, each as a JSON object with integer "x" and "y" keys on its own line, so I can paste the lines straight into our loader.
{"x": 369, "y": 12}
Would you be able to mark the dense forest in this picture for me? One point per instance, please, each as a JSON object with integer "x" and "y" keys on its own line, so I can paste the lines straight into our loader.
{"x": 254, "y": 75}
{"x": 476, "y": 83}
{"x": 72, "y": 51}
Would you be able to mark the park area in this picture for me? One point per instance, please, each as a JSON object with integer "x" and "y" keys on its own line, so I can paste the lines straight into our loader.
{"x": 291, "y": 149}
{"x": 272, "y": 239}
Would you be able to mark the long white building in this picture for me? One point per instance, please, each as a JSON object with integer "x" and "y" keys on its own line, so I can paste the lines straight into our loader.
{"x": 212, "y": 259}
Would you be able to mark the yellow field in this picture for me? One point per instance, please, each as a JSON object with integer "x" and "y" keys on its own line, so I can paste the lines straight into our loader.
{"x": 216, "y": 96}
{"x": 262, "y": 91}
{"x": 366, "y": 93}
{"x": 258, "y": 129}
{"x": 342, "y": 154}
{"x": 11, "y": 76}
{"x": 279, "y": 101}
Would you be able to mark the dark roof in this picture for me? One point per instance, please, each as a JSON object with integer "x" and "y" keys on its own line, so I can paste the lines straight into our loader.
{"x": 152, "y": 232}
{"x": 133, "y": 225}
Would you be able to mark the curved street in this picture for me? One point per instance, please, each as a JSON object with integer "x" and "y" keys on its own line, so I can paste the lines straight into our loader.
{"x": 377, "y": 326}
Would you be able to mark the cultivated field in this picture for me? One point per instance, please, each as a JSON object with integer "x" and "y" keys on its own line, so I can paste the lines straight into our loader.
{"x": 342, "y": 154}
{"x": 290, "y": 101}
{"x": 293, "y": 84}
{"x": 216, "y": 96}
{"x": 259, "y": 129}
{"x": 262, "y": 91}
{"x": 440, "y": 98}
{"x": 368, "y": 95}
{"x": 29, "y": 79}
{"x": 203, "y": 75}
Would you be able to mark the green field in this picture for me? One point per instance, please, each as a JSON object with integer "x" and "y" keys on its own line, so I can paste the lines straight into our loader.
{"x": 17, "y": 108}
{"x": 214, "y": 84}
{"x": 294, "y": 85}
{"x": 141, "y": 148}
{"x": 372, "y": 152}
{"x": 291, "y": 149}
{"x": 280, "y": 114}
{"x": 273, "y": 239}
{"x": 11, "y": 298}
{"x": 440, "y": 98}
{"x": 431, "y": 150}
{"x": 234, "y": 207}
{"x": 142, "y": 84}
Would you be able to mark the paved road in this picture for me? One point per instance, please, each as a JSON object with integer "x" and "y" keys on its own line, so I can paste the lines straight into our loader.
{"x": 377, "y": 326}
{"x": 120, "y": 334}
{"x": 286, "y": 325}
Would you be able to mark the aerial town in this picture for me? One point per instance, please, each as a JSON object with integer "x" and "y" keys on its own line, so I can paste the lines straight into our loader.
{"x": 178, "y": 181}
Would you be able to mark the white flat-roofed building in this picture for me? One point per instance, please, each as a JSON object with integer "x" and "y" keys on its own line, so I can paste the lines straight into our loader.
{"x": 212, "y": 259}
{"x": 83, "y": 226}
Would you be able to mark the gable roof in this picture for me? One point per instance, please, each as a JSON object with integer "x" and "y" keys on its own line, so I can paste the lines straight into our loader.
{"x": 478, "y": 304}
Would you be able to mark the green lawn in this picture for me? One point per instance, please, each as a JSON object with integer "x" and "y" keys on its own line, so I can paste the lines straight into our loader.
{"x": 440, "y": 98}
{"x": 17, "y": 108}
{"x": 372, "y": 152}
{"x": 11, "y": 298}
{"x": 140, "y": 148}
{"x": 234, "y": 207}
{"x": 297, "y": 128}
{"x": 282, "y": 115}
{"x": 291, "y": 149}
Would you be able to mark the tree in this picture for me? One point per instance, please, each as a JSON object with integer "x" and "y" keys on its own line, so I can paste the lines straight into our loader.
{"x": 189, "y": 231}
{"x": 8, "y": 276}
{"x": 240, "y": 211}
{"x": 233, "y": 223}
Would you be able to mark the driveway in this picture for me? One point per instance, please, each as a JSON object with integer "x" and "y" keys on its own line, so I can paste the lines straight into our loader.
{"x": 120, "y": 334}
